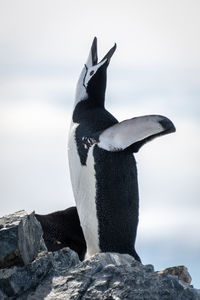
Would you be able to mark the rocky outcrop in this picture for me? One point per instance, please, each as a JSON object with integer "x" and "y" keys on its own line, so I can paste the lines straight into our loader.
{"x": 20, "y": 239}
{"x": 60, "y": 274}
{"x": 19, "y": 282}
{"x": 180, "y": 271}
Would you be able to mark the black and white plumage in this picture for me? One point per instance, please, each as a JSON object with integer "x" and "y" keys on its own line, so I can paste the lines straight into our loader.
{"x": 102, "y": 165}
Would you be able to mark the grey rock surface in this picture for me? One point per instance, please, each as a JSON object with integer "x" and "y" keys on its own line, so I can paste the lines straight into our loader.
{"x": 105, "y": 276}
{"x": 30, "y": 240}
{"x": 20, "y": 239}
{"x": 18, "y": 282}
{"x": 9, "y": 251}
{"x": 110, "y": 276}
{"x": 180, "y": 271}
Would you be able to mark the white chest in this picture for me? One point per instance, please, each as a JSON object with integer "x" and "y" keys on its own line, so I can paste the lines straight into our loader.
{"x": 84, "y": 189}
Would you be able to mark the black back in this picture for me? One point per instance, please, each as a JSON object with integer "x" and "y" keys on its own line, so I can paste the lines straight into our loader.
{"x": 62, "y": 229}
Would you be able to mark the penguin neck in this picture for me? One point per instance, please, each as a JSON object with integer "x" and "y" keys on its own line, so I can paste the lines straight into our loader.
{"x": 97, "y": 87}
{"x": 96, "y": 100}
{"x": 86, "y": 108}
{"x": 93, "y": 97}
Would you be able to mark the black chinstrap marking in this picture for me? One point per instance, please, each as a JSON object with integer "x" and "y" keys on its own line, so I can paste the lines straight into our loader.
{"x": 85, "y": 77}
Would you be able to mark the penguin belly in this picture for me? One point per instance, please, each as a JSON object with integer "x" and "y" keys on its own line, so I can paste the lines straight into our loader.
{"x": 84, "y": 189}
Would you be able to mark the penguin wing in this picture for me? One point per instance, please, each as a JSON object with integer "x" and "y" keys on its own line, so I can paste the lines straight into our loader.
{"x": 133, "y": 133}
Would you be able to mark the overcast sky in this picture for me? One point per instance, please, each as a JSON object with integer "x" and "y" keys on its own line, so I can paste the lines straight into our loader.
{"x": 155, "y": 70}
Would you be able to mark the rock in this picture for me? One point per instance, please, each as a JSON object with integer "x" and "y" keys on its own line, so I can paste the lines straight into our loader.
{"x": 9, "y": 251}
{"x": 180, "y": 271}
{"x": 30, "y": 241}
{"x": 60, "y": 275}
{"x": 116, "y": 276}
{"x": 104, "y": 276}
{"x": 21, "y": 239}
{"x": 16, "y": 281}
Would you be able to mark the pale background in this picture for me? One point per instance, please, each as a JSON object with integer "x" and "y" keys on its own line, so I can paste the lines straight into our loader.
{"x": 155, "y": 70}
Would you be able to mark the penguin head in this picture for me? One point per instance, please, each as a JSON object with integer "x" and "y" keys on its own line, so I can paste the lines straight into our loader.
{"x": 92, "y": 81}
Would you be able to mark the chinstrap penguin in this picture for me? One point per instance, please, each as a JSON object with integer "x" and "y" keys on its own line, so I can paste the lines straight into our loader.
{"x": 102, "y": 165}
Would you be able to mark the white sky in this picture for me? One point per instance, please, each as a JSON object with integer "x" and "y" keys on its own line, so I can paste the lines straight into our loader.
{"x": 156, "y": 69}
{"x": 151, "y": 32}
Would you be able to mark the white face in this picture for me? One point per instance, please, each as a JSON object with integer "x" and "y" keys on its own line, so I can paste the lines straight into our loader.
{"x": 90, "y": 71}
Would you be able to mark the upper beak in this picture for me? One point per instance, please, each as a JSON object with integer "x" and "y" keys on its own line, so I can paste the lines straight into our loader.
{"x": 93, "y": 52}
{"x": 93, "y": 58}
{"x": 110, "y": 53}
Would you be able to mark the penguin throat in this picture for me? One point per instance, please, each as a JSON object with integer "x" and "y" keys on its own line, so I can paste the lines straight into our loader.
{"x": 96, "y": 100}
{"x": 96, "y": 88}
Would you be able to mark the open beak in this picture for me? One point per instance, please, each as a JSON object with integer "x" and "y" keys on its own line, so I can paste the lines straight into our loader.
{"x": 93, "y": 57}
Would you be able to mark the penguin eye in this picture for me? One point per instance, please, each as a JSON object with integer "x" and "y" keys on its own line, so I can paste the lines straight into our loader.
{"x": 91, "y": 73}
